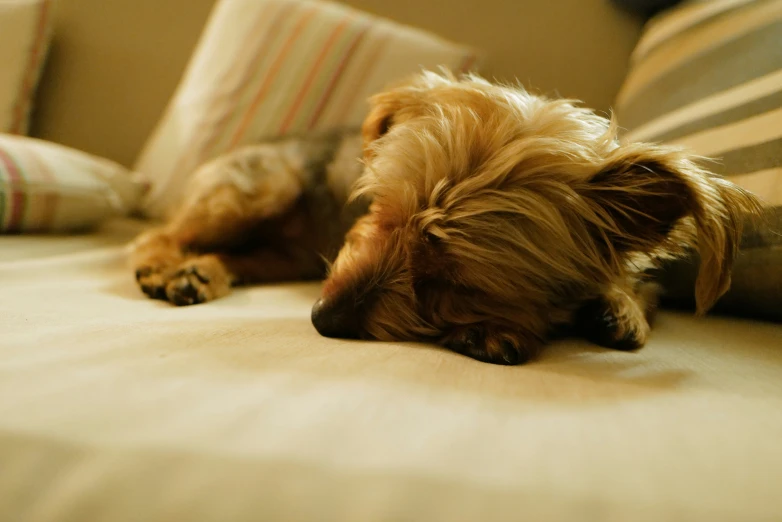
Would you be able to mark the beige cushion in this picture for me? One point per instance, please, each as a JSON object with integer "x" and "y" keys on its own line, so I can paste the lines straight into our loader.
{"x": 115, "y": 407}
{"x": 25, "y": 29}
{"x": 45, "y": 187}
{"x": 708, "y": 76}
{"x": 266, "y": 68}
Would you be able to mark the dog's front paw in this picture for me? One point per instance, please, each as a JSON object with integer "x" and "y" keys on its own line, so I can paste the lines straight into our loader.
{"x": 153, "y": 258}
{"x": 599, "y": 323}
{"x": 197, "y": 281}
{"x": 490, "y": 344}
{"x": 152, "y": 281}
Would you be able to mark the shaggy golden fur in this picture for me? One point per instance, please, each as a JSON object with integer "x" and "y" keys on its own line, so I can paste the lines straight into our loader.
{"x": 497, "y": 218}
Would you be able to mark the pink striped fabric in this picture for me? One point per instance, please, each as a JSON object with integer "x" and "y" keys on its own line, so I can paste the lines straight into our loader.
{"x": 25, "y": 32}
{"x": 265, "y": 68}
{"x": 46, "y": 187}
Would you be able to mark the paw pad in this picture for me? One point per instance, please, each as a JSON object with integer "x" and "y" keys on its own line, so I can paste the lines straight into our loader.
{"x": 186, "y": 287}
{"x": 184, "y": 294}
{"x": 154, "y": 291}
{"x": 151, "y": 282}
{"x": 475, "y": 342}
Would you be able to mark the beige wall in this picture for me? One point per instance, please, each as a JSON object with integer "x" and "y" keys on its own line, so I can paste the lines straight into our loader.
{"x": 112, "y": 66}
{"x": 576, "y": 48}
{"x": 114, "y": 63}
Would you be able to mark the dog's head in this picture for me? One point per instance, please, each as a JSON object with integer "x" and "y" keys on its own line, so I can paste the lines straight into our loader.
{"x": 498, "y": 208}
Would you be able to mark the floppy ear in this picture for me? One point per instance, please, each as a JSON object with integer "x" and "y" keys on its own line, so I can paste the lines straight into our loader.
{"x": 401, "y": 101}
{"x": 398, "y": 103}
{"x": 643, "y": 191}
{"x": 382, "y": 108}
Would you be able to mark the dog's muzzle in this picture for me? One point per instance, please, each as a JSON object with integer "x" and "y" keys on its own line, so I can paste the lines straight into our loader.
{"x": 335, "y": 318}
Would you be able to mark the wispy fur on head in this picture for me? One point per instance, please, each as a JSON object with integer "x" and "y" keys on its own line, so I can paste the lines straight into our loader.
{"x": 496, "y": 213}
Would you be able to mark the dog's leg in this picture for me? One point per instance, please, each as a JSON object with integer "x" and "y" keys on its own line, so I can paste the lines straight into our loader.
{"x": 209, "y": 276}
{"x": 228, "y": 198}
{"x": 620, "y": 318}
{"x": 206, "y": 224}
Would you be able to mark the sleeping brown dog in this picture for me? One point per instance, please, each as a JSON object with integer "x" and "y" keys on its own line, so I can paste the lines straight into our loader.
{"x": 473, "y": 215}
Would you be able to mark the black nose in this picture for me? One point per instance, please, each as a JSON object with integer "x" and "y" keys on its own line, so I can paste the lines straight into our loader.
{"x": 335, "y": 319}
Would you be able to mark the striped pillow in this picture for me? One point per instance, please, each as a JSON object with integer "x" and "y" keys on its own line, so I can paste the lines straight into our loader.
{"x": 25, "y": 30}
{"x": 708, "y": 75}
{"x": 45, "y": 187}
{"x": 265, "y": 68}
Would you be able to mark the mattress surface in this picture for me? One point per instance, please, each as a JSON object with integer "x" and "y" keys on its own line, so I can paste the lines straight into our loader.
{"x": 115, "y": 407}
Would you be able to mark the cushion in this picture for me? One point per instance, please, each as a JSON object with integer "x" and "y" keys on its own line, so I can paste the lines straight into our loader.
{"x": 25, "y": 29}
{"x": 708, "y": 76}
{"x": 117, "y": 408}
{"x": 265, "y": 68}
{"x": 45, "y": 187}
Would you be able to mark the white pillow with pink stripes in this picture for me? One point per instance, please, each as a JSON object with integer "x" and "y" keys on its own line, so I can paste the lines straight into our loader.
{"x": 25, "y": 30}
{"x": 265, "y": 68}
{"x": 45, "y": 187}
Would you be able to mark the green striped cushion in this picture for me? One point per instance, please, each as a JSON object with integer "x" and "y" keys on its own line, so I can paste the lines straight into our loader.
{"x": 265, "y": 68}
{"x": 45, "y": 187}
{"x": 708, "y": 75}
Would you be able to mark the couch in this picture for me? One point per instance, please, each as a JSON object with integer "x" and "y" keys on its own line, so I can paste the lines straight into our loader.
{"x": 117, "y": 408}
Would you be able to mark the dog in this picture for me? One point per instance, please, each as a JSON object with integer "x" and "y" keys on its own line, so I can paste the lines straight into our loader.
{"x": 466, "y": 213}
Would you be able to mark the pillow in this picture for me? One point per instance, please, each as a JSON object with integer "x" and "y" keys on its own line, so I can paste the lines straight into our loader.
{"x": 265, "y": 68}
{"x": 708, "y": 76}
{"x": 25, "y": 30}
{"x": 45, "y": 187}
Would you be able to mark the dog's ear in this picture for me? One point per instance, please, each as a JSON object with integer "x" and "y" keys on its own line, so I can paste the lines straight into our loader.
{"x": 402, "y": 101}
{"x": 642, "y": 191}
{"x": 382, "y": 108}
{"x": 389, "y": 108}
{"x": 395, "y": 105}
